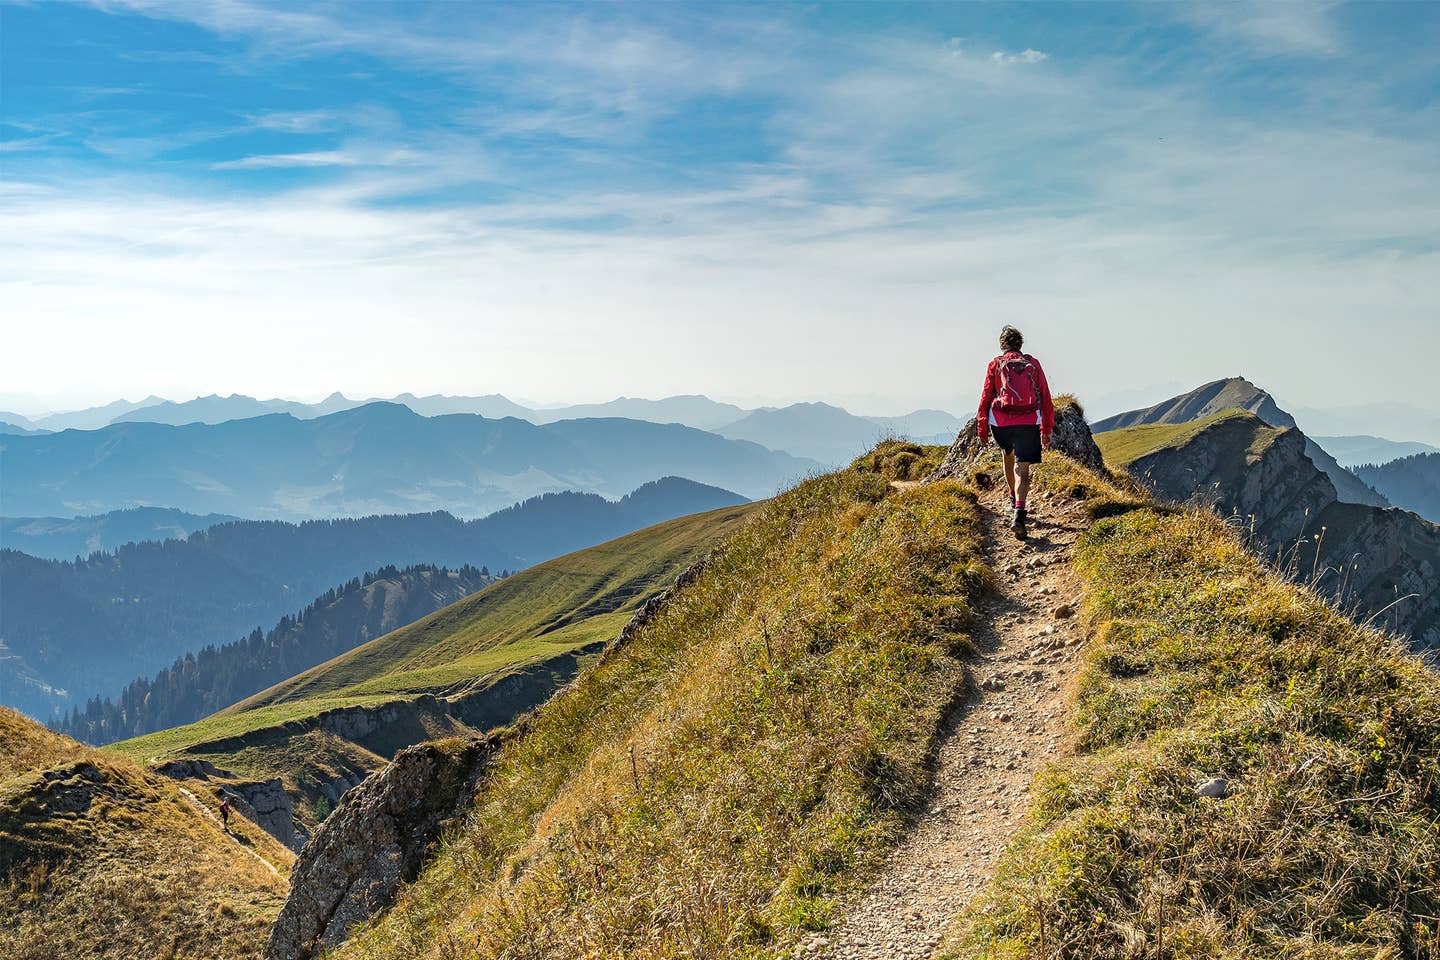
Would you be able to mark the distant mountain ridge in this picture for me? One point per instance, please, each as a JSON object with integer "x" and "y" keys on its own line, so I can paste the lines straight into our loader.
{"x": 1411, "y": 482}
{"x": 1239, "y": 393}
{"x": 692, "y": 410}
{"x": 63, "y": 538}
{"x": 74, "y": 630}
{"x": 379, "y": 458}
{"x": 1353, "y": 451}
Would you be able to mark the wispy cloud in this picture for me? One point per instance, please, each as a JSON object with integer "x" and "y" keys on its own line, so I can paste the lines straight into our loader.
{"x": 325, "y": 158}
{"x": 1271, "y": 26}
{"x": 1024, "y": 56}
{"x": 296, "y": 121}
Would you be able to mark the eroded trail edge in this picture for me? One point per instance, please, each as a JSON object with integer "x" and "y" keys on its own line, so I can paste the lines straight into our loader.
{"x": 1028, "y": 642}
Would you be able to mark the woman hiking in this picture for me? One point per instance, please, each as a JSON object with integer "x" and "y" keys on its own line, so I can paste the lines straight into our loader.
{"x": 1016, "y": 409}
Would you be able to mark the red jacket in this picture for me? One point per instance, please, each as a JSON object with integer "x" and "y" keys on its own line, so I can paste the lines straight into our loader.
{"x": 1044, "y": 417}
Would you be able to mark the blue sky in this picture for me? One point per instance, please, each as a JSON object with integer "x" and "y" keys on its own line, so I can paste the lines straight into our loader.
{"x": 764, "y": 202}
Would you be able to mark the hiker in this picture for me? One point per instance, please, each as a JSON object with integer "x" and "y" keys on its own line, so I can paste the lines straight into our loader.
{"x": 225, "y": 812}
{"x": 1016, "y": 409}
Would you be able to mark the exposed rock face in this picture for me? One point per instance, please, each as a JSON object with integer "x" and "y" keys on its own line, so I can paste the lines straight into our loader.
{"x": 263, "y": 802}
{"x": 1245, "y": 470}
{"x": 1367, "y": 558}
{"x": 1072, "y": 437}
{"x": 376, "y": 839}
{"x": 1238, "y": 393}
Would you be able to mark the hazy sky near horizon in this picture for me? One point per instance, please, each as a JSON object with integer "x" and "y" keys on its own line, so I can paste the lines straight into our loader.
{"x": 761, "y": 202}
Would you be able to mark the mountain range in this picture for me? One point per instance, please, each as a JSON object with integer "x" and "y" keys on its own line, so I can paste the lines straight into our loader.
{"x": 378, "y": 458}
{"x": 76, "y": 629}
{"x": 692, "y": 410}
{"x": 1353, "y": 451}
{"x": 1411, "y": 482}
{"x": 1237, "y": 393}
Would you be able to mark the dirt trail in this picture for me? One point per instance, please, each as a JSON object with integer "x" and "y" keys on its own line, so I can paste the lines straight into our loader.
{"x": 991, "y": 747}
{"x": 205, "y": 812}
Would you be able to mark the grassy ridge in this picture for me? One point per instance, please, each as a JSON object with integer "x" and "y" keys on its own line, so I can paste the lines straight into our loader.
{"x": 1205, "y": 663}
{"x": 101, "y": 859}
{"x": 710, "y": 788}
{"x": 1123, "y": 447}
{"x": 539, "y": 613}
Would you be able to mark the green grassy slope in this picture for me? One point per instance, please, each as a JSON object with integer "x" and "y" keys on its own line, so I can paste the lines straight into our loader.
{"x": 99, "y": 859}
{"x": 554, "y": 607}
{"x": 710, "y": 788}
{"x": 509, "y": 646}
{"x": 1205, "y": 663}
{"x": 548, "y": 610}
{"x": 1124, "y": 446}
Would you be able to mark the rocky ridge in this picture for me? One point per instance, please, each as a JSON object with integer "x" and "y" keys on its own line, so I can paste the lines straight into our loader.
{"x": 1237, "y": 393}
{"x": 1071, "y": 437}
{"x": 1380, "y": 563}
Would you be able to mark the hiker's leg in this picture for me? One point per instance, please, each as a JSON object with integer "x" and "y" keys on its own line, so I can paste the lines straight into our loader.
{"x": 1022, "y": 482}
{"x": 1010, "y": 474}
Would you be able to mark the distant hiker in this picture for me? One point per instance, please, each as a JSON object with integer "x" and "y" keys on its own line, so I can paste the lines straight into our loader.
{"x": 225, "y": 812}
{"x": 1015, "y": 407}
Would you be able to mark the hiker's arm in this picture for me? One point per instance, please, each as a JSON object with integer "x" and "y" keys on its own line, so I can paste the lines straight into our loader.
{"x": 1047, "y": 406}
{"x": 987, "y": 395}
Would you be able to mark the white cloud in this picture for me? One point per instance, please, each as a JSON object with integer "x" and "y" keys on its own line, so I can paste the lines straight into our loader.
{"x": 296, "y": 121}
{"x": 1024, "y": 56}
{"x": 371, "y": 157}
{"x": 1270, "y": 26}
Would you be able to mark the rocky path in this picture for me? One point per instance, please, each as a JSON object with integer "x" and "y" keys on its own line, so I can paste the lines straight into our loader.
{"x": 206, "y": 812}
{"x": 990, "y": 750}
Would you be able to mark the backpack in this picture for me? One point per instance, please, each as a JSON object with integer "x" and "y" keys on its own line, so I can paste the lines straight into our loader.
{"x": 1019, "y": 386}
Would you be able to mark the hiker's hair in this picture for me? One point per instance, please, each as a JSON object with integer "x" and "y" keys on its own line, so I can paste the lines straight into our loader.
{"x": 1010, "y": 338}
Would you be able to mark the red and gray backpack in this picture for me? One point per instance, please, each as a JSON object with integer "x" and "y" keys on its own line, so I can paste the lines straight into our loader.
{"x": 1019, "y": 385}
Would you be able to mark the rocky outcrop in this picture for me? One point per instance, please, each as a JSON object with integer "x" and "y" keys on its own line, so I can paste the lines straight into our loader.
{"x": 1237, "y": 393}
{"x": 1381, "y": 563}
{"x": 263, "y": 802}
{"x": 375, "y": 840}
{"x": 1243, "y": 469}
{"x": 1072, "y": 437}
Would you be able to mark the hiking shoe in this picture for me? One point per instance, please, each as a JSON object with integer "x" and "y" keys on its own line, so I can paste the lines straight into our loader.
{"x": 1017, "y": 524}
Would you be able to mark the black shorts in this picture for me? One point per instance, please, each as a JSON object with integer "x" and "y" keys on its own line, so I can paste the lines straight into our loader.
{"x": 1023, "y": 441}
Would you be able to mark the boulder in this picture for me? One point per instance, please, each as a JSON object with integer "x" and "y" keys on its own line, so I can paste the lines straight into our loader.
{"x": 375, "y": 840}
{"x": 1071, "y": 437}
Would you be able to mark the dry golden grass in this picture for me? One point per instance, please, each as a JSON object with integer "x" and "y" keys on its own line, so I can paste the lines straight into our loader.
{"x": 136, "y": 871}
{"x": 1207, "y": 663}
{"x": 713, "y": 786}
